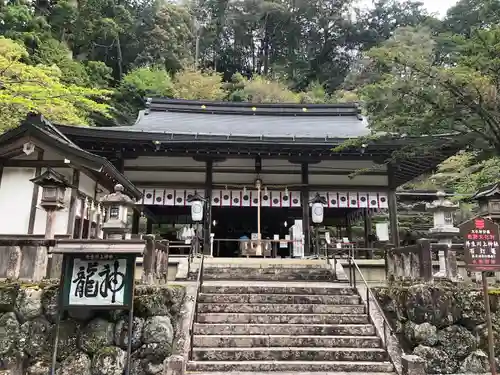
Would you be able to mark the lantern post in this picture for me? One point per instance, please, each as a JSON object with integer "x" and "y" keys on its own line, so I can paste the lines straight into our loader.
{"x": 197, "y": 207}
{"x": 317, "y": 215}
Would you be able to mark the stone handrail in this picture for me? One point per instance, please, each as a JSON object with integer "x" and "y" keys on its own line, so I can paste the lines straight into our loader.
{"x": 155, "y": 261}
{"x": 415, "y": 262}
{"x": 24, "y": 257}
{"x": 410, "y": 262}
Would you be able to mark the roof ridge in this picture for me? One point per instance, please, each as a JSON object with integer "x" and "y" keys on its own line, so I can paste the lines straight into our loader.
{"x": 248, "y": 108}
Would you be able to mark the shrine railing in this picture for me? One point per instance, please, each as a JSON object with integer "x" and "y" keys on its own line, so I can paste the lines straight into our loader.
{"x": 30, "y": 257}
{"x": 155, "y": 261}
{"x": 426, "y": 261}
{"x": 24, "y": 257}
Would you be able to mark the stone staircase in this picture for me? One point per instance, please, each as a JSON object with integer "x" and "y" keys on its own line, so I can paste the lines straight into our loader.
{"x": 265, "y": 323}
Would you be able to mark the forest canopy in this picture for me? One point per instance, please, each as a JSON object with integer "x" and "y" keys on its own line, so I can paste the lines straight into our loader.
{"x": 92, "y": 62}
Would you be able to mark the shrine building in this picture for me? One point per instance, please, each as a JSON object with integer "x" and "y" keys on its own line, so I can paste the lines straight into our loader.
{"x": 218, "y": 150}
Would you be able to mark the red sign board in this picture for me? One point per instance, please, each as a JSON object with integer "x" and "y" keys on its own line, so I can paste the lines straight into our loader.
{"x": 481, "y": 244}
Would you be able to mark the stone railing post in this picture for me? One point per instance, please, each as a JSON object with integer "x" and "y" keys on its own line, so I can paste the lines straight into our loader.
{"x": 415, "y": 266}
{"x": 164, "y": 262}
{"x": 148, "y": 257}
{"x": 406, "y": 259}
{"x": 425, "y": 261}
{"x": 14, "y": 265}
{"x": 390, "y": 264}
{"x": 451, "y": 263}
{"x": 174, "y": 365}
{"x": 412, "y": 365}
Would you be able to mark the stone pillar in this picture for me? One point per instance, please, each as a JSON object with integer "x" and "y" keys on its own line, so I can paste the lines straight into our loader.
{"x": 148, "y": 257}
{"x": 14, "y": 265}
{"x": 444, "y": 231}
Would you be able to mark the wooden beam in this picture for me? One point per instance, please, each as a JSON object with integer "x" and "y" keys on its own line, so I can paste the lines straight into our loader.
{"x": 39, "y": 163}
{"x": 249, "y": 185}
{"x": 326, "y": 172}
{"x": 34, "y": 196}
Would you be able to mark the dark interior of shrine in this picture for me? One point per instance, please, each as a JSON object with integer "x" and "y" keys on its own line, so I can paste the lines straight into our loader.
{"x": 229, "y": 224}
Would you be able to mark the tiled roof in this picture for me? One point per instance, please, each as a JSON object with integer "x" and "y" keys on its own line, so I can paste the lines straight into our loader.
{"x": 246, "y": 119}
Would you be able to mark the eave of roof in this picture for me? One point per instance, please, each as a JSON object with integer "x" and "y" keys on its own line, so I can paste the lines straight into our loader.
{"x": 40, "y": 128}
{"x": 487, "y": 191}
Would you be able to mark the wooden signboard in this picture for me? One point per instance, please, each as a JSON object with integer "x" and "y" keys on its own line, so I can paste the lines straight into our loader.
{"x": 102, "y": 281}
{"x": 481, "y": 245}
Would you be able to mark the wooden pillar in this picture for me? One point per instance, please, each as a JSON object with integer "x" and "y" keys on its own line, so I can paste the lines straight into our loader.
{"x": 84, "y": 209}
{"x": 135, "y": 222}
{"x": 306, "y": 226}
{"x": 368, "y": 231}
{"x": 348, "y": 228}
{"x": 72, "y": 203}
{"x": 393, "y": 217}
{"x": 149, "y": 226}
{"x": 207, "y": 219}
{"x": 34, "y": 197}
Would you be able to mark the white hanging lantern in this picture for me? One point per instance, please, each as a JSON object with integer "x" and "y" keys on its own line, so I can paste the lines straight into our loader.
{"x": 317, "y": 213}
{"x": 197, "y": 211}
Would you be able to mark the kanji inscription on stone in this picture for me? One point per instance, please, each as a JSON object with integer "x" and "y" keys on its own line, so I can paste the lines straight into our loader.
{"x": 481, "y": 244}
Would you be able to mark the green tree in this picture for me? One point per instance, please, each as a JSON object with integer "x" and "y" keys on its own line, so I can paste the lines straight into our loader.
{"x": 39, "y": 88}
{"x": 417, "y": 94}
{"x": 195, "y": 85}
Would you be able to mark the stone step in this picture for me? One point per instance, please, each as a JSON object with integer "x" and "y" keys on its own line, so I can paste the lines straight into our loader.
{"x": 270, "y": 274}
{"x": 291, "y": 366}
{"x": 284, "y": 318}
{"x": 285, "y": 329}
{"x": 272, "y": 289}
{"x": 280, "y": 308}
{"x": 265, "y": 263}
{"x": 280, "y": 299}
{"x": 250, "y": 341}
{"x": 289, "y": 354}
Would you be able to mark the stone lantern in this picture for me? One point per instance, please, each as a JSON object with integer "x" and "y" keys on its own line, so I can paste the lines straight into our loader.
{"x": 444, "y": 231}
{"x": 53, "y": 186}
{"x": 118, "y": 207}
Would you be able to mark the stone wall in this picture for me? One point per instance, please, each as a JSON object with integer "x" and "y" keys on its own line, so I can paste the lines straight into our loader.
{"x": 443, "y": 323}
{"x": 91, "y": 342}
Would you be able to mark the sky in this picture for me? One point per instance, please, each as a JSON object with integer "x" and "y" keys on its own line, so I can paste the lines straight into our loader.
{"x": 434, "y": 6}
{"x": 439, "y": 6}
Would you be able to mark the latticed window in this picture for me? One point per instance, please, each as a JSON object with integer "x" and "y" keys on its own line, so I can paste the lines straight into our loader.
{"x": 448, "y": 218}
